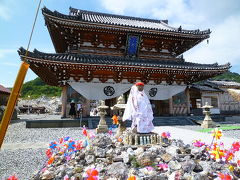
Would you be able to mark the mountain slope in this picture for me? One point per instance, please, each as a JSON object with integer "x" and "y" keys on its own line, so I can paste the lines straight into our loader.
{"x": 37, "y": 88}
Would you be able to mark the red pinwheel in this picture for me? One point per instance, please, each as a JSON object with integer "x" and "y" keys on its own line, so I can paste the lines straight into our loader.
{"x": 110, "y": 132}
{"x": 79, "y": 145}
{"x": 236, "y": 146}
{"x": 166, "y": 135}
{"x": 48, "y": 152}
{"x": 66, "y": 177}
{"x": 223, "y": 176}
{"x": 84, "y": 131}
{"x": 92, "y": 174}
{"x": 51, "y": 159}
{"x": 12, "y": 178}
{"x": 229, "y": 156}
{"x": 61, "y": 140}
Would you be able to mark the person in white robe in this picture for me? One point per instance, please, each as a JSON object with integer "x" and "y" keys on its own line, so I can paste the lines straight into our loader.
{"x": 139, "y": 109}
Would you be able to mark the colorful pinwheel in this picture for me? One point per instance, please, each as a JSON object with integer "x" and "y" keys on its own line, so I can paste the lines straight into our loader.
{"x": 92, "y": 174}
{"x": 166, "y": 135}
{"x": 224, "y": 176}
{"x": 132, "y": 177}
{"x": 115, "y": 119}
{"x": 162, "y": 166}
{"x": 198, "y": 143}
{"x": 217, "y": 134}
{"x": 12, "y": 178}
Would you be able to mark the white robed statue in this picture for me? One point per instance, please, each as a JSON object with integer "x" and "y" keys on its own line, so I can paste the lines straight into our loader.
{"x": 139, "y": 109}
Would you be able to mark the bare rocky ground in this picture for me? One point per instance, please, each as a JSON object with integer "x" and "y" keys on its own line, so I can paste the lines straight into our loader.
{"x": 23, "y": 152}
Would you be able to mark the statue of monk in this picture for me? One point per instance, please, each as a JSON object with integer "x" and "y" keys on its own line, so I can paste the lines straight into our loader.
{"x": 139, "y": 110}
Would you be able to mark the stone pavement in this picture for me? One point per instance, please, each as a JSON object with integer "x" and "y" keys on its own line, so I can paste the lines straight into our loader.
{"x": 188, "y": 136}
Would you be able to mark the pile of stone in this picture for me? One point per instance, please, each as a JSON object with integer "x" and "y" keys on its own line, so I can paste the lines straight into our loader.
{"x": 50, "y": 103}
{"x": 114, "y": 160}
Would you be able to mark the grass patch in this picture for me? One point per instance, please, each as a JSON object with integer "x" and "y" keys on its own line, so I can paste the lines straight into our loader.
{"x": 222, "y": 127}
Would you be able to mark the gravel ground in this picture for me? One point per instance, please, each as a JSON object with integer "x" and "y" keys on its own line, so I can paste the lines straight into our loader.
{"x": 24, "y": 162}
{"x": 18, "y": 133}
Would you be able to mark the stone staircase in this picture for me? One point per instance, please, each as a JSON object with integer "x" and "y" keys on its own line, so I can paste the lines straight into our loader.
{"x": 158, "y": 121}
{"x": 92, "y": 122}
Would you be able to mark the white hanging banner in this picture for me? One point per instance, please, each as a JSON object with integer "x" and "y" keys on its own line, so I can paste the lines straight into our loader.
{"x": 103, "y": 91}
{"x": 162, "y": 92}
{"x": 100, "y": 91}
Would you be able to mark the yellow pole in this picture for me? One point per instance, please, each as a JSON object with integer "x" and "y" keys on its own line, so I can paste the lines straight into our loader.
{"x": 12, "y": 100}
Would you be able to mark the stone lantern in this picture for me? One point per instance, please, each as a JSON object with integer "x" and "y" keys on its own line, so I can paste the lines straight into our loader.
{"x": 207, "y": 122}
{"x": 120, "y": 106}
{"x": 102, "y": 126}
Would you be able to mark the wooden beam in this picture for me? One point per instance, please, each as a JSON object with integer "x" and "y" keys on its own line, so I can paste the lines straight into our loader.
{"x": 64, "y": 101}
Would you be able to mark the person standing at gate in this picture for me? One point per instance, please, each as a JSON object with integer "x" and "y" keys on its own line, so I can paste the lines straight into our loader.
{"x": 79, "y": 109}
{"x": 72, "y": 111}
{"x": 139, "y": 110}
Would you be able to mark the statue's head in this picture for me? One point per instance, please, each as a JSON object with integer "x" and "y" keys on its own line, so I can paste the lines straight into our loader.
{"x": 140, "y": 86}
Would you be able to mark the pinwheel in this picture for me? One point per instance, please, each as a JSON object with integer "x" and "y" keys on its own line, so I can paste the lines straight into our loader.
{"x": 217, "y": 134}
{"x": 166, "y": 135}
{"x": 224, "y": 176}
{"x": 198, "y": 143}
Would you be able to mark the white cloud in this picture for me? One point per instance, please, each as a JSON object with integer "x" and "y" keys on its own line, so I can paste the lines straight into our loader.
{"x": 4, "y": 12}
{"x": 5, "y": 52}
{"x": 222, "y": 17}
{"x": 11, "y": 64}
{"x": 223, "y": 45}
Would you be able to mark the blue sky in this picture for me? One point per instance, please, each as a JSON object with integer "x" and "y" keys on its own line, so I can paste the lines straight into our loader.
{"x": 222, "y": 17}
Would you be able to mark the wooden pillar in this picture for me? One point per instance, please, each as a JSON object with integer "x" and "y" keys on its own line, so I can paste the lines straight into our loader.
{"x": 171, "y": 106}
{"x": 188, "y": 100}
{"x": 88, "y": 107}
{"x": 64, "y": 101}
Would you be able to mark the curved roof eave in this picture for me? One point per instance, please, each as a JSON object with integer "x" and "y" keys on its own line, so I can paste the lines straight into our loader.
{"x": 121, "y": 61}
{"x": 116, "y": 21}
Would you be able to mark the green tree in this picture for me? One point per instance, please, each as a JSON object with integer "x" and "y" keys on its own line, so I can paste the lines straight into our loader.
{"x": 37, "y": 88}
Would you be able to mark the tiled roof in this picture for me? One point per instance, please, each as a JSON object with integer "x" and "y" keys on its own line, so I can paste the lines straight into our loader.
{"x": 4, "y": 90}
{"x": 224, "y": 83}
{"x": 205, "y": 88}
{"x": 118, "y": 20}
{"x": 123, "y": 61}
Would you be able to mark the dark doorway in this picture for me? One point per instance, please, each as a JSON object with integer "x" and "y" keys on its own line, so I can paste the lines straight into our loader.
{"x": 160, "y": 107}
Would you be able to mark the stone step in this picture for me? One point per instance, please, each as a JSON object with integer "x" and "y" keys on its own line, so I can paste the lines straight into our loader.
{"x": 92, "y": 122}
